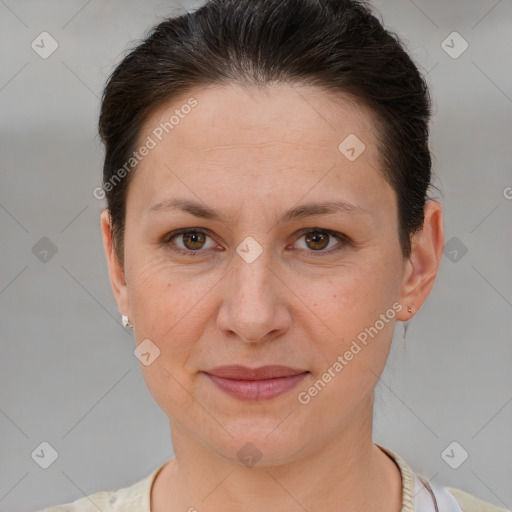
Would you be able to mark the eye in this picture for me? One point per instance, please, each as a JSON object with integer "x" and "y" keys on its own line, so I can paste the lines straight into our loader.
{"x": 316, "y": 240}
{"x": 192, "y": 239}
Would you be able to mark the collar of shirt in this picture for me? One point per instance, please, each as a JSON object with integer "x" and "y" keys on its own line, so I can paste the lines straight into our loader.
{"x": 419, "y": 495}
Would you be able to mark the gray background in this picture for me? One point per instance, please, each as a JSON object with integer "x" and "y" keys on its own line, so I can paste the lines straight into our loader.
{"x": 68, "y": 374}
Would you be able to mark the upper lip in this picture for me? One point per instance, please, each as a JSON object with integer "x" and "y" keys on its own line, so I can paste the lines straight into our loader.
{"x": 239, "y": 372}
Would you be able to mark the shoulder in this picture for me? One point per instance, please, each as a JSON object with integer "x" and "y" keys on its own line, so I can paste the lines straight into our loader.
{"x": 134, "y": 497}
{"x": 449, "y": 498}
{"x": 470, "y": 503}
{"x": 103, "y": 500}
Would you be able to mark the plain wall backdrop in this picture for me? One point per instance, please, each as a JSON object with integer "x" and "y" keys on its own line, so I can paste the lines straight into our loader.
{"x": 68, "y": 373}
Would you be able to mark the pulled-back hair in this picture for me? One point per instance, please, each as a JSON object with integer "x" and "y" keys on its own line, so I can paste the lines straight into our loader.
{"x": 338, "y": 45}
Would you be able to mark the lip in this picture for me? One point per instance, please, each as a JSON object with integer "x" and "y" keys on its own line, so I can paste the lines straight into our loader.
{"x": 255, "y": 384}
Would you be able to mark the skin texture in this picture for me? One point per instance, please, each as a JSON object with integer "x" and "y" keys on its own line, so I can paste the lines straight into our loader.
{"x": 252, "y": 154}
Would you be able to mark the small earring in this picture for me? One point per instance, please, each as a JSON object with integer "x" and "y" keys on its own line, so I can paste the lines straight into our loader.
{"x": 124, "y": 320}
{"x": 409, "y": 310}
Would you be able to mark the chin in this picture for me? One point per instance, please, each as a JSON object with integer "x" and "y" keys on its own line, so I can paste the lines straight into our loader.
{"x": 259, "y": 442}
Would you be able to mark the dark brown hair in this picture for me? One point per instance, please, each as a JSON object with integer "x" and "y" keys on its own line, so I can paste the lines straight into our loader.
{"x": 338, "y": 45}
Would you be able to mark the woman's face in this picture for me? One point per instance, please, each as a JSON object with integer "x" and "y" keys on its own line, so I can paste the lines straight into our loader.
{"x": 252, "y": 173}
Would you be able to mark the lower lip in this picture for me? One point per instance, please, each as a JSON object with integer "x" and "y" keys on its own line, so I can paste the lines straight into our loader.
{"x": 255, "y": 390}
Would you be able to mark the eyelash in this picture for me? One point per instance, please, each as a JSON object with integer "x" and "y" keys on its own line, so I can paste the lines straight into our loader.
{"x": 169, "y": 237}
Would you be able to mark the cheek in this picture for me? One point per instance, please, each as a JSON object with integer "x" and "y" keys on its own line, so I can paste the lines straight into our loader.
{"x": 169, "y": 389}
{"x": 349, "y": 305}
{"x": 349, "y": 298}
{"x": 169, "y": 308}
{"x": 166, "y": 309}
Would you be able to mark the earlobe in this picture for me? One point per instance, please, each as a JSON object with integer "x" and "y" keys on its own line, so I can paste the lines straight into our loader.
{"x": 115, "y": 267}
{"x": 421, "y": 268}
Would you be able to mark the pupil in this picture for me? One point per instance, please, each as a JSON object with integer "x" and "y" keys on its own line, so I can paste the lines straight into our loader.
{"x": 315, "y": 238}
{"x": 194, "y": 238}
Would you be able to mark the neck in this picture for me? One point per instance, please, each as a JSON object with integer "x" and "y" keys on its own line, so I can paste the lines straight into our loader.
{"x": 346, "y": 473}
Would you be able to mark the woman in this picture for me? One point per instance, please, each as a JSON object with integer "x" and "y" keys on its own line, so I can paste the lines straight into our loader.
{"x": 268, "y": 221}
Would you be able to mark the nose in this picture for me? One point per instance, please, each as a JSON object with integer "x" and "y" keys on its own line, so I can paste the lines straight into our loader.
{"x": 254, "y": 307}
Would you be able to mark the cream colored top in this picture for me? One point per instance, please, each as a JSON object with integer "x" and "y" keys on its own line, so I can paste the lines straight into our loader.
{"x": 417, "y": 496}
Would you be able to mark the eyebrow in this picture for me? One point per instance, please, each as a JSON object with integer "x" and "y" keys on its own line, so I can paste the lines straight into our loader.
{"x": 299, "y": 212}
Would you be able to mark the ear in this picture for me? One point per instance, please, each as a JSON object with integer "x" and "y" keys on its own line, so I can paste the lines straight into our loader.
{"x": 420, "y": 269}
{"x": 115, "y": 267}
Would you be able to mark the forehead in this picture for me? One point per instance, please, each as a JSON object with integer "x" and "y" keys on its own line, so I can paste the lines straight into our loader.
{"x": 283, "y": 137}
{"x": 229, "y": 114}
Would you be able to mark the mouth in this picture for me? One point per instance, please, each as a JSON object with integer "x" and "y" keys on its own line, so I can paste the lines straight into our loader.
{"x": 255, "y": 384}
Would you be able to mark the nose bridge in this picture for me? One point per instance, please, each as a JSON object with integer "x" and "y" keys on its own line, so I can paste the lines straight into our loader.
{"x": 252, "y": 276}
{"x": 252, "y": 308}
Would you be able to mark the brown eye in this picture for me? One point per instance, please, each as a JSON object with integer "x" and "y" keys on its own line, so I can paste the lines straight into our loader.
{"x": 190, "y": 242}
{"x": 318, "y": 240}
{"x": 321, "y": 241}
{"x": 193, "y": 240}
